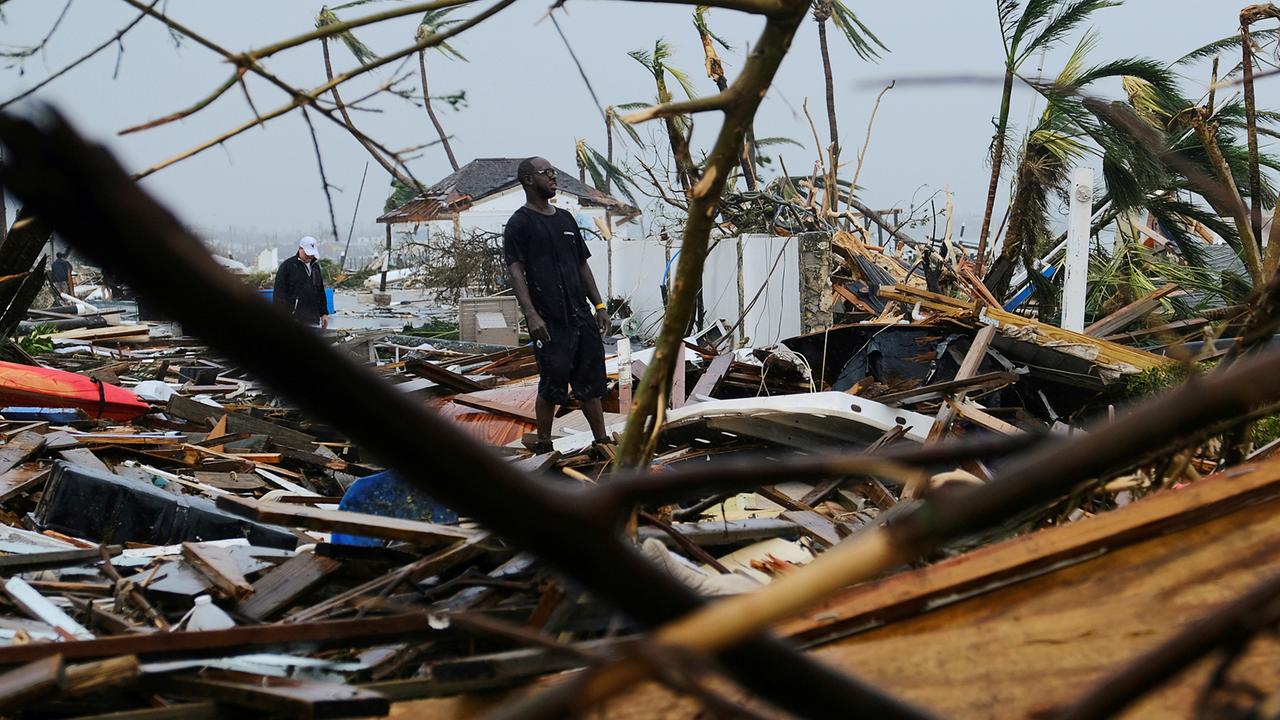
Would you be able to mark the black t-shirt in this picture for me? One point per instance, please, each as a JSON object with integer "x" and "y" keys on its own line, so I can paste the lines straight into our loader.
{"x": 552, "y": 250}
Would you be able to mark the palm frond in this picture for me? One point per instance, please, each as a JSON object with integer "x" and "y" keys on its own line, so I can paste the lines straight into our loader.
{"x": 860, "y": 38}
{"x": 776, "y": 140}
{"x": 1059, "y": 25}
{"x": 683, "y": 79}
{"x": 611, "y": 117}
{"x": 604, "y": 172}
{"x": 1226, "y": 44}
{"x": 362, "y": 53}
{"x": 433, "y": 21}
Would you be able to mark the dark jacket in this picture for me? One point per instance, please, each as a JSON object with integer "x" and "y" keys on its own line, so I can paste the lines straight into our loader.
{"x": 300, "y": 290}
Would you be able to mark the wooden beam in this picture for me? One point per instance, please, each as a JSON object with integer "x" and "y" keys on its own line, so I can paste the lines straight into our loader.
{"x": 19, "y": 449}
{"x": 1129, "y": 313}
{"x": 441, "y": 376}
{"x": 497, "y": 408}
{"x": 711, "y": 377}
{"x": 975, "y": 415}
{"x": 187, "y": 409}
{"x": 238, "y": 640}
{"x": 968, "y": 368}
{"x": 276, "y": 696}
{"x": 282, "y": 587}
{"x": 376, "y": 526}
{"x": 29, "y": 682}
{"x": 216, "y": 564}
{"x": 977, "y": 383}
{"x": 1027, "y": 556}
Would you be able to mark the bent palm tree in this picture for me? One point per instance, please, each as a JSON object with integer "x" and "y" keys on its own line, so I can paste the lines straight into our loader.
{"x": 860, "y": 38}
{"x": 1024, "y": 31}
{"x": 677, "y": 127}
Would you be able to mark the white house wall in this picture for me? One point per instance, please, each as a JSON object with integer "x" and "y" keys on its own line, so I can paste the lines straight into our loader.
{"x": 492, "y": 213}
{"x": 639, "y": 266}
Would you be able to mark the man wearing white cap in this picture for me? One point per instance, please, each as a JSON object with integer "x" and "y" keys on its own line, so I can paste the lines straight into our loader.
{"x": 300, "y": 286}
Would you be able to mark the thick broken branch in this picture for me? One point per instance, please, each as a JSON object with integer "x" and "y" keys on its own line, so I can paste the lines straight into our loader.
{"x": 719, "y": 101}
{"x": 92, "y": 203}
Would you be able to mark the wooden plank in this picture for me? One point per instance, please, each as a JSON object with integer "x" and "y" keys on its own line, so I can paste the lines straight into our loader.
{"x": 21, "y": 480}
{"x": 39, "y": 607}
{"x": 216, "y": 564}
{"x": 711, "y": 377}
{"x": 442, "y": 376}
{"x": 19, "y": 449}
{"x": 726, "y": 532}
{"x": 968, "y": 368}
{"x": 977, "y": 416}
{"x": 376, "y": 526}
{"x": 84, "y": 458}
{"x": 27, "y": 562}
{"x": 495, "y": 407}
{"x": 237, "y": 640}
{"x": 1129, "y": 313}
{"x": 977, "y": 383}
{"x": 1027, "y": 555}
{"x": 206, "y": 710}
{"x": 814, "y": 525}
{"x": 1048, "y": 335}
{"x": 276, "y": 696}
{"x": 283, "y": 586}
{"x": 187, "y": 409}
{"x": 29, "y": 682}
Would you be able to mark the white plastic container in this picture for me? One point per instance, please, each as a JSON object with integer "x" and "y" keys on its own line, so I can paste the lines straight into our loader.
{"x": 204, "y": 615}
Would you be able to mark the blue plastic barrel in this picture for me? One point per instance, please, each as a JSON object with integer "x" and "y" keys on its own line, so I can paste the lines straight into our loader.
{"x": 389, "y": 495}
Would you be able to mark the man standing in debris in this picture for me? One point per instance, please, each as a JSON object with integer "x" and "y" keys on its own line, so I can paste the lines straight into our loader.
{"x": 300, "y": 286}
{"x": 60, "y": 271}
{"x": 548, "y": 260}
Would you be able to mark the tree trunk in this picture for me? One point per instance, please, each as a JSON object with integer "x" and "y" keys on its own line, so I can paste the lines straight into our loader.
{"x": 757, "y": 74}
{"x": 832, "y": 131}
{"x": 431, "y": 113}
{"x": 351, "y": 126}
{"x": 997, "y": 159}
{"x": 1237, "y": 210}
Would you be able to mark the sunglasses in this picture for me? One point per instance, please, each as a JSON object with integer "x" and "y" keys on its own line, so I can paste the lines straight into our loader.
{"x": 548, "y": 173}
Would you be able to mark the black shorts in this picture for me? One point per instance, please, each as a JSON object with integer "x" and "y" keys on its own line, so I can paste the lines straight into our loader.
{"x": 574, "y": 356}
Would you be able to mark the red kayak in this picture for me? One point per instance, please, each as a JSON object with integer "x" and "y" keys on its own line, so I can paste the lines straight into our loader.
{"x": 46, "y": 387}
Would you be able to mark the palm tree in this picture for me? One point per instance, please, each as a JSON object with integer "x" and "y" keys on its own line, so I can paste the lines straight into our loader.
{"x": 859, "y": 37}
{"x": 1025, "y": 31}
{"x": 715, "y": 71}
{"x": 433, "y": 22}
{"x": 677, "y": 127}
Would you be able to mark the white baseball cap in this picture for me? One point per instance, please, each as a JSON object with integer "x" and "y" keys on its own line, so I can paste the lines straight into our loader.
{"x": 308, "y": 244}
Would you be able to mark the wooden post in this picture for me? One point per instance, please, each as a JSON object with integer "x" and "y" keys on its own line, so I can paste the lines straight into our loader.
{"x": 1076, "y": 266}
{"x": 742, "y": 303}
{"x": 624, "y": 375}
{"x": 677, "y": 379}
{"x": 386, "y": 260}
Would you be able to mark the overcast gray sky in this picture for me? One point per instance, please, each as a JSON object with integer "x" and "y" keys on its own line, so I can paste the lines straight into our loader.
{"x": 525, "y": 96}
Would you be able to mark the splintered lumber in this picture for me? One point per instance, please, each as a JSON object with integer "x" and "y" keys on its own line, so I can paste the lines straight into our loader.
{"x": 975, "y": 384}
{"x": 968, "y": 368}
{"x": 493, "y": 406}
{"x": 814, "y": 525}
{"x": 442, "y": 376}
{"x": 1129, "y": 313}
{"x": 375, "y": 526}
{"x": 710, "y": 380}
{"x": 186, "y": 409}
{"x": 977, "y": 416}
{"x": 286, "y": 697}
{"x": 238, "y": 640}
{"x": 1099, "y": 350}
{"x": 283, "y": 586}
{"x": 216, "y": 564}
{"x": 19, "y": 449}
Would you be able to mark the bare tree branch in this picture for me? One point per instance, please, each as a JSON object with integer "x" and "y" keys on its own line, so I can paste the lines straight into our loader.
{"x": 719, "y": 101}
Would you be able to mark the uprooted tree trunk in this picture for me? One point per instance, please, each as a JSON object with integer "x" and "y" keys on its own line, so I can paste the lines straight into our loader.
{"x": 739, "y": 103}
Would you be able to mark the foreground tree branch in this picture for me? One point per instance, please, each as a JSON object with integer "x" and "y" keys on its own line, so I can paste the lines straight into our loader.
{"x": 704, "y": 200}
{"x": 310, "y": 97}
{"x": 83, "y": 194}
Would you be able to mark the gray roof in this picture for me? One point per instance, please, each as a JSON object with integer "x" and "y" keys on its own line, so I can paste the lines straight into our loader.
{"x": 483, "y": 177}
